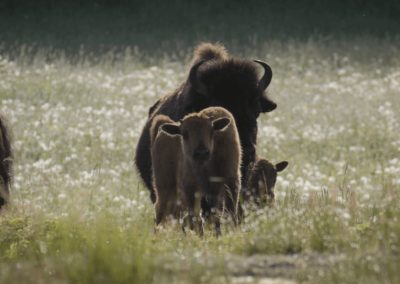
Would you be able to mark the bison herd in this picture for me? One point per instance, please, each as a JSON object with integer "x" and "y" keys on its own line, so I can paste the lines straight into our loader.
{"x": 197, "y": 151}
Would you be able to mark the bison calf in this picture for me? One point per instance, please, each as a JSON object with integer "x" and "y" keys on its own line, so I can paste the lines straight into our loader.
{"x": 195, "y": 162}
{"x": 5, "y": 163}
{"x": 261, "y": 182}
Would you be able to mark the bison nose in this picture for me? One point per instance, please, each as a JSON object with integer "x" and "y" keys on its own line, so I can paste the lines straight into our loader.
{"x": 201, "y": 154}
{"x": 271, "y": 107}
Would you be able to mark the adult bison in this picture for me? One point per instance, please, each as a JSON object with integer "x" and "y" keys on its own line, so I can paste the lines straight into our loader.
{"x": 215, "y": 79}
{"x": 5, "y": 163}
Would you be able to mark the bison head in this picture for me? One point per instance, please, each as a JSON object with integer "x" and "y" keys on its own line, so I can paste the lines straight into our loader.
{"x": 235, "y": 85}
{"x": 197, "y": 134}
{"x": 262, "y": 180}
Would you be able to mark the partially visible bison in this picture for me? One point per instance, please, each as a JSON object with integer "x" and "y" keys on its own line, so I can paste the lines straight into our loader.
{"x": 261, "y": 181}
{"x": 5, "y": 163}
{"x": 165, "y": 154}
{"x": 194, "y": 160}
{"x": 215, "y": 79}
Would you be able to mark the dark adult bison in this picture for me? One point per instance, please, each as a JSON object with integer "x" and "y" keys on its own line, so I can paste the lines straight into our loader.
{"x": 215, "y": 79}
{"x": 5, "y": 163}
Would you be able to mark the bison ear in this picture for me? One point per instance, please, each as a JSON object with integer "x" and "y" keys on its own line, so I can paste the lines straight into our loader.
{"x": 221, "y": 123}
{"x": 266, "y": 104}
{"x": 153, "y": 107}
{"x": 194, "y": 81}
{"x": 281, "y": 166}
{"x": 171, "y": 129}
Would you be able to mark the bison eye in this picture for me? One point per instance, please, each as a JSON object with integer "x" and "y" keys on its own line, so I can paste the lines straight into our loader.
{"x": 185, "y": 135}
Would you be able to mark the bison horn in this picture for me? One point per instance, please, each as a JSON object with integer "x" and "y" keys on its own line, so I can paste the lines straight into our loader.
{"x": 194, "y": 82}
{"x": 266, "y": 78}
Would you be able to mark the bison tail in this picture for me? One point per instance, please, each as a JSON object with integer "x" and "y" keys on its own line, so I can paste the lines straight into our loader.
{"x": 209, "y": 51}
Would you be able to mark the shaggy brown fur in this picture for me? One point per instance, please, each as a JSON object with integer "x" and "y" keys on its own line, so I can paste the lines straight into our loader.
{"x": 209, "y": 51}
{"x": 205, "y": 168}
{"x": 215, "y": 79}
{"x": 5, "y": 163}
{"x": 165, "y": 152}
{"x": 261, "y": 183}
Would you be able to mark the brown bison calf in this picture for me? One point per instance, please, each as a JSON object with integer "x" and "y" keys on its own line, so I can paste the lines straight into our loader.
{"x": 262, "y": 179}
{"x": 5, "y": 163}
{"x": 166, "y": 154}
{"x": 196, "y": 162}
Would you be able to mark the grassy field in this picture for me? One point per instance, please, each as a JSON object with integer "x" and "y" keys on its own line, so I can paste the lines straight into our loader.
{"x": 79, "y": 213}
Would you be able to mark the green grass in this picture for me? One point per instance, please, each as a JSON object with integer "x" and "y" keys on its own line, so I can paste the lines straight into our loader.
{"x": 79, "y": 213}
{"x": 70, "y": 249}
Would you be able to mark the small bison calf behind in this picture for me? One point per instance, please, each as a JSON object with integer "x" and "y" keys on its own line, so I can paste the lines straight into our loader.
{"x": 262, "y": 179}
{"x": 196, "y": 164}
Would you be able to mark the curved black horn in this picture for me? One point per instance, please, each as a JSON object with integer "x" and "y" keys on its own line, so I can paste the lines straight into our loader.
{"x": 193, "y": 78}
{"x": 267, "y": 77}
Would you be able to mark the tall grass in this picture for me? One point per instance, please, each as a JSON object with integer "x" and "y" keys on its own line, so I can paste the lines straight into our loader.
{"x": 79, "y": 213}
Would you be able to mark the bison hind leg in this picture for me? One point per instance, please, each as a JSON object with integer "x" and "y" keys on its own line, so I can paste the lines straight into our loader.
{"x": 2, "y": 202}
{"x": 4, "y": 194}
{"x": 232, "y": 202}
{"x": 162, "y": 210}
{"x": 217, "y": 225}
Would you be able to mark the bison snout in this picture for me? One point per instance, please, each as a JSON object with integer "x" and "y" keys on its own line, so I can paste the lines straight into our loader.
{"x": 272, "y": 106}
{"x": 201, "y": 154}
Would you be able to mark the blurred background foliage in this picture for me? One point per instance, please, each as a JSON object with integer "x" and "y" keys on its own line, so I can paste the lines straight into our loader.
{"x": 101, "y": 26}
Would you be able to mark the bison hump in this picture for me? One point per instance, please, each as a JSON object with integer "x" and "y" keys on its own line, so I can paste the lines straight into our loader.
{"x": 209, "y": 51}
